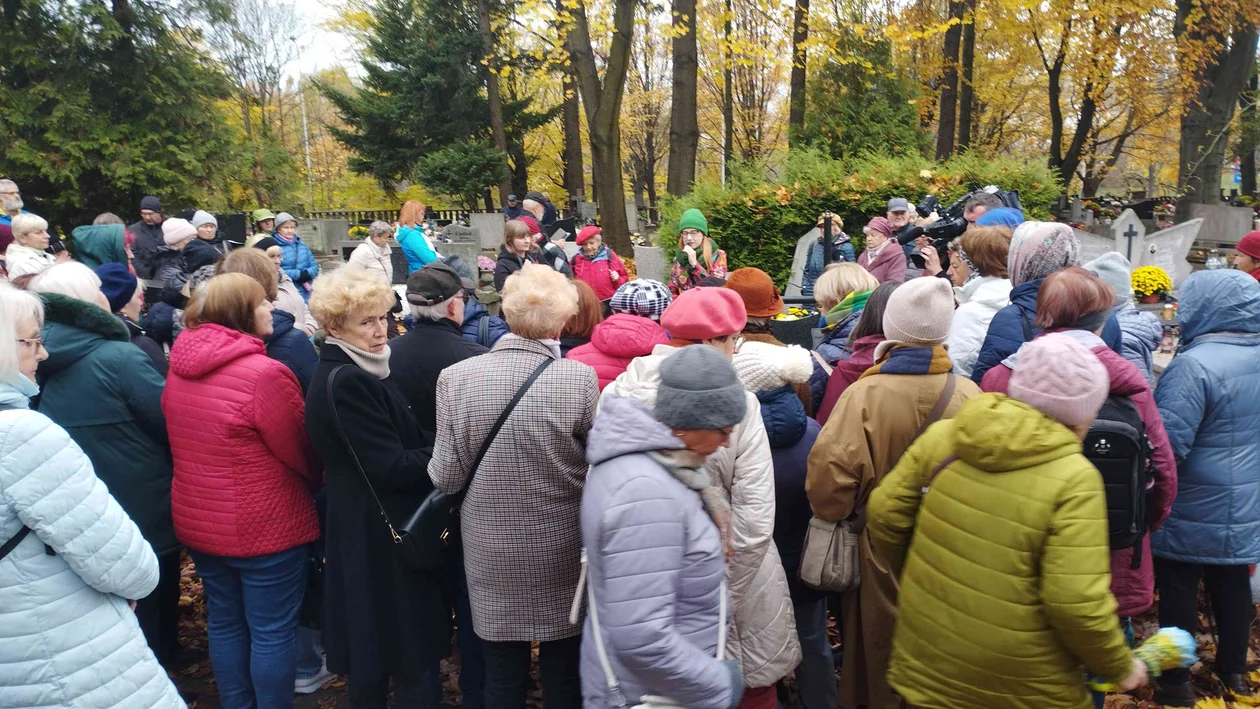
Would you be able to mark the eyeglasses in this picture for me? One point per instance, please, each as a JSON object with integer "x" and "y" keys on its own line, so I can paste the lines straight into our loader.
{"x": 33, "y": 342}
{"x": 690, "y": 232}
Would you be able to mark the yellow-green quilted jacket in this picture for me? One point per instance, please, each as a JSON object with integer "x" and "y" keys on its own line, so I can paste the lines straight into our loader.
{"x": 1005, "y": 582}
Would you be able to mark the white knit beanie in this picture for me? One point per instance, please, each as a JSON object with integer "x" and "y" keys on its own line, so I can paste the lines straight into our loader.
{"x": 919, "y": 312}
{"x": 762, "y": 366}
{"x": 1061, "y": 378}
{"x": 1114, "y": 269}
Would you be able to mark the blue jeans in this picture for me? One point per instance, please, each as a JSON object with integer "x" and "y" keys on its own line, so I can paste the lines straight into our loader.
{"x": 816, "y": 675}
{"x": 253, "y": 606}
{"x": 310, "y": 652}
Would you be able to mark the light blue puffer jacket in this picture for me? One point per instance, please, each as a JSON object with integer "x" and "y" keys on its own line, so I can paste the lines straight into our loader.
{"x": 1209, "y": 398}
{"x": 655, "y": 565}
{"x": 67, "y": 636}
{"x": 1140, "y": 335}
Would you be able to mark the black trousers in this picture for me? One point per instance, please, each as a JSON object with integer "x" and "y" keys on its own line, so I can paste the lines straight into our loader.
{"x": 1229, "y": 592}
{"x": 507, "y": 673}
{"x": 158, "y": 613}
{"x": 423, "y": 691}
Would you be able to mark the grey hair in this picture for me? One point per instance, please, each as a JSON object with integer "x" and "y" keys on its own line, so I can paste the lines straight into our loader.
{"x": 71, "y": 279}
{"x": 988, "y": 200}
{"x": 6, "y": 182}
{"x": 16, "y": 306}
{"x": 24, "y": 224}
{"x": 436, "y": 311}
{"x": 107, "y": 218}
{"x": 380, "y": 228}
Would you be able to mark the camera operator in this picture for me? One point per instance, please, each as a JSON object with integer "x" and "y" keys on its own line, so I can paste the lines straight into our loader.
{"x": 918, "y": 260}
{"x": 980, "y": 203}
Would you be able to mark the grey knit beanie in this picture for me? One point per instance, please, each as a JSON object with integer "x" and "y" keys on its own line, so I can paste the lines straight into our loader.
{"x": 1113, "y": 269}
{"x": 699, "y": 390}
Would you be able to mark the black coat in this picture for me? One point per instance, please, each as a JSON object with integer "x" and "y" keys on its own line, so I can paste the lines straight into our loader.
{"x": 147, "y": 344}
{"x": 510, "y": 263}
{"x": 417, "y": 358}
{"x": 149, "y": 248}
{"x": 379, "y": 618}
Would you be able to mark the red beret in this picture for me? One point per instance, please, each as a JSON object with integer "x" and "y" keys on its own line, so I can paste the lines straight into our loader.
{"x": 1250, "y": 244}
{"x": 587, "y": 232}
{"x": 705, "y": 314}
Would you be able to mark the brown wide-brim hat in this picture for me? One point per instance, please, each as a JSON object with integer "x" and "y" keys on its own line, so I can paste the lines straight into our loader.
{"x": 754, "y": 286}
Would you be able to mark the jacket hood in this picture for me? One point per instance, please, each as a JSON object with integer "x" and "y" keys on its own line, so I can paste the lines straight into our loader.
{"x": 624, "y": 335}
{"x": 281, "y": 323}
{"x": 1025, "y": 295}
{"x": 784, "y": 416}
{"x": 73, "y": 329}
{"x": 992, "y": 292}
{"x": 1218, "y": 301}
{"x": 642, "y": 377}
{"x": 105, "y": 243}
{"x": 626, "y": 426}
{"x": 997, "y": 434}
{"x": 202, "y": 350}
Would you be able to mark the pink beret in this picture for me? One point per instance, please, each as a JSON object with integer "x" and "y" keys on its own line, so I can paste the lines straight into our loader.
{"x": 705, "y": 314}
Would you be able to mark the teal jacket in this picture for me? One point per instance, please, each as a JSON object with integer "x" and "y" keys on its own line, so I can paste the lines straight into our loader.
{"x": 105, "y": 393}
{"x": 415, "y": 248}
{"x": 99, "y": 244}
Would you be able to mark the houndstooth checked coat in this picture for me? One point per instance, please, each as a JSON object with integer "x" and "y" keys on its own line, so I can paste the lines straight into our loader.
{"x": 520, "y": 521}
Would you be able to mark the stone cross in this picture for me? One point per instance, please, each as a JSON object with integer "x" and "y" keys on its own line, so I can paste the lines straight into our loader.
{"x": 1129, "y": 234}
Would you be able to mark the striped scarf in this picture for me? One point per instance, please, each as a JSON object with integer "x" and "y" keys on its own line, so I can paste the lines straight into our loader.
{"x": 852, "y": 303}
{"x": 912, "y": 359}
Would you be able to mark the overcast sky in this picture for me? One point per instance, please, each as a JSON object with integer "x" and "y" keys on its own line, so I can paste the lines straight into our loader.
{"x": 322, "y": 48}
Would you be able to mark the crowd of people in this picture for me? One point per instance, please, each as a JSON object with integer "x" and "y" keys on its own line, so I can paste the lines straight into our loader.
{"x": 643, "y": 470}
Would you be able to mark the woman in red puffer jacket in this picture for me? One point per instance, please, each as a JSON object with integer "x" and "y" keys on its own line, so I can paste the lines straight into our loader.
{"x": 241, "y": 496}
{"x": 615, "y": 342}
{"x": 597, "y": 265}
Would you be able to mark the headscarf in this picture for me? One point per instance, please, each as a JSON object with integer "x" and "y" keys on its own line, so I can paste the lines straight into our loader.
{"x": 1039, "y": 249}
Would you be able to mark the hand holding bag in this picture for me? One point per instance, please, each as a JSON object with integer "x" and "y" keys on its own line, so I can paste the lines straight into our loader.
{"x": 423, "y": 541}
{"x": 829, "y": 557}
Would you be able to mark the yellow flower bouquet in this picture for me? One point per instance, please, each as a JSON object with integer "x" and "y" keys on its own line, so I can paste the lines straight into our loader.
{"x": 1150, "y": 281}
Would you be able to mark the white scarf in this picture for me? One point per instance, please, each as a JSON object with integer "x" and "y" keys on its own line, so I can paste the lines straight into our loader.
{"x": 375, "y": 364}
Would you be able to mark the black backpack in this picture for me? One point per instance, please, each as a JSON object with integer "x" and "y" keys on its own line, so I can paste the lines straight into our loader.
{"x": 1117, "y": 445}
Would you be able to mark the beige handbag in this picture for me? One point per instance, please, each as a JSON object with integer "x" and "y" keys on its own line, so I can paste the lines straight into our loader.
{"x": 829, "y": 558}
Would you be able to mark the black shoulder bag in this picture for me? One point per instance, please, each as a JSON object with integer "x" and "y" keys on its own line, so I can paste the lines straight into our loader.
{"x": 423, "y": 540}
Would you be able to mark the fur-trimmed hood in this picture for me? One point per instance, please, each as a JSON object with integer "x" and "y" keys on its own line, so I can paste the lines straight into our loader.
{"x": 74, "y": 328}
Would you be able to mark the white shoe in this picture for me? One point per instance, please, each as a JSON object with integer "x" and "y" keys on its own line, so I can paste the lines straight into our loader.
{"x": 311, "y": 685}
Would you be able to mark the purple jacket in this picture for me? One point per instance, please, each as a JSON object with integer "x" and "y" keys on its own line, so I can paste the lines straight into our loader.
{"x": 889, "y": 265}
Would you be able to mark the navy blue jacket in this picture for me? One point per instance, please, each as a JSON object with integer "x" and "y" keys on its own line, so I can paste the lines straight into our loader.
{"x": 474, "y": 312}
{"x": 1209, "y": 398}
{"x": 1006, "y": 330}
{"x": 292, "y": 347}
{"x": 792, "y": 435}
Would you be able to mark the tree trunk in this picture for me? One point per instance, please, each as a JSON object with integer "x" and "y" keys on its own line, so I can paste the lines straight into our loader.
{"x": 649, "y": 144}
{"x": 574, "y": 179}
{"x": 949, "y": 83}
{"x": 684, "y": 129}
{"x": 966, "y": 90}
{"x": 728, "y": 97}
{"x": 796, "y": 100}
{"x": 602, "y": 101}
{"x": 1250, "y": 123}
{"x": 1205, "y": 123}
{"x": 493, "y": 98}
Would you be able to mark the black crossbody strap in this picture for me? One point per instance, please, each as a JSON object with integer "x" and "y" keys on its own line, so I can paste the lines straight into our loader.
{"x": 332, "y": 406}
{"x": 503, "y": 417}
{"x": 13, "y": 542}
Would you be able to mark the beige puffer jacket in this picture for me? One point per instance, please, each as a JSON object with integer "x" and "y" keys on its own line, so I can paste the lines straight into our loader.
{"x": 763, "y": 633}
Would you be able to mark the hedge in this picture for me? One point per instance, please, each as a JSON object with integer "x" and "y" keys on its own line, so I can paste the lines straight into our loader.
{"x": 758, "y": 222}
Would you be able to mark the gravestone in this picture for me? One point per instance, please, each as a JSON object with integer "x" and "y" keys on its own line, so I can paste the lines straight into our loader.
{"x": 649, "y": 263}
{"x": 1222, "y": 224}
{"x": 587, "y": 211}
{"x": 1093, "y": 245}
{"x": 1168, "y": 248}
{"x": 488, "y": 227}
{"x": 1130, "y": 234}
{"x": 310, "y": 232}
{"x": 632, "y": 216}
{"x": 467, "y": 251}
{"x": 799, "y": 257}
{"x": 1077, "y": 211}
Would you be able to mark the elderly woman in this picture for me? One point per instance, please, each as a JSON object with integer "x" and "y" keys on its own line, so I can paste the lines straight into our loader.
{"x": 71, "y": 556}
{"x": 208, "y": 230}
{"x": 517, "y": 250}
{"x": 698, "y": 255}
{"x": 25, "y": 255}
{"x": 296, "y": 258}
{"x": 242, "y": 497}
{"x": 863, "y": 340}
{"x": 597, "y": 265}
{"x": 286, "y": 343}
{"x": 763, "y": 632}
{"x": 107, "y": 395}
{"x": 883, "y": 257}
{"x": 381, "y": 620}
{"x": 288, "y": 298}
{"x": 656, "y": 530}
{"x": 977, "y": 268}
{"x": 520, "y": 518}
{"x": 191, "y": 254}
{"x": 841, "y": 293}
{"x": 373, "y": 254}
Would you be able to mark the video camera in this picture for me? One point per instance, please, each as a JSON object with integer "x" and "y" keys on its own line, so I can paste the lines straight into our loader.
{"x": 951, "y": 223}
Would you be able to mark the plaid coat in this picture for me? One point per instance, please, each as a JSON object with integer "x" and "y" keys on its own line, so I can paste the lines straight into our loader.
{"x": 520, "y": 521}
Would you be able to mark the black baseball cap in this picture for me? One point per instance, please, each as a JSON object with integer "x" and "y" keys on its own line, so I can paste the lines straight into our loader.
{"x": 435, "y": 283}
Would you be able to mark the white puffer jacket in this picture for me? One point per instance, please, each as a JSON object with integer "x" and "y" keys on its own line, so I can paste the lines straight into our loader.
{"x": 67, "y": 637}
{"x": 764, "y": 633}
{"x": 980, "y": 300}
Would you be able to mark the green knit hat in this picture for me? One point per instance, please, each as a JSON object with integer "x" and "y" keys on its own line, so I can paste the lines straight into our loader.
{"x": 694, "y": 219}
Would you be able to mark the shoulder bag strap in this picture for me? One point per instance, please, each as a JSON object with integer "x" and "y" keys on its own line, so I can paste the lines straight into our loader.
{"x": 822, "y": 362}
{"x": 1023, "y": 320}
{"x": 503, "y": 417}
{"x": 332, "y": 406}
{"x": 483, "y": 330}
{"x": 942, "y": 403}
{"x": 13, "y": 542}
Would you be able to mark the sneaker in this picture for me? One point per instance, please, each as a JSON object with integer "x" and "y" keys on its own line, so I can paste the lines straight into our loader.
{"x": 311, "y": 685}
{"x": 1174, "y": 695}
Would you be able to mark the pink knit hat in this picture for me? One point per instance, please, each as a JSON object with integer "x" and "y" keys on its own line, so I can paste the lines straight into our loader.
{"x": 705, "y": 313}
{"x": 1060, "y": 378}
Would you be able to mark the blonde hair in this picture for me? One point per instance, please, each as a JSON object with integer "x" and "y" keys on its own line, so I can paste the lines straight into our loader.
{"x": 538, "y": 301}
{"x": 706, "y": 250}
{"x": 228, "y": 300}
{"x": 71, "y": 279}
{"x": 838, "y": 281}
{"x": 24, "y": 224}
{"x": 338, "y": 294}
{"x": 255, "y": 264}
{"x": 16, "y": 306}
